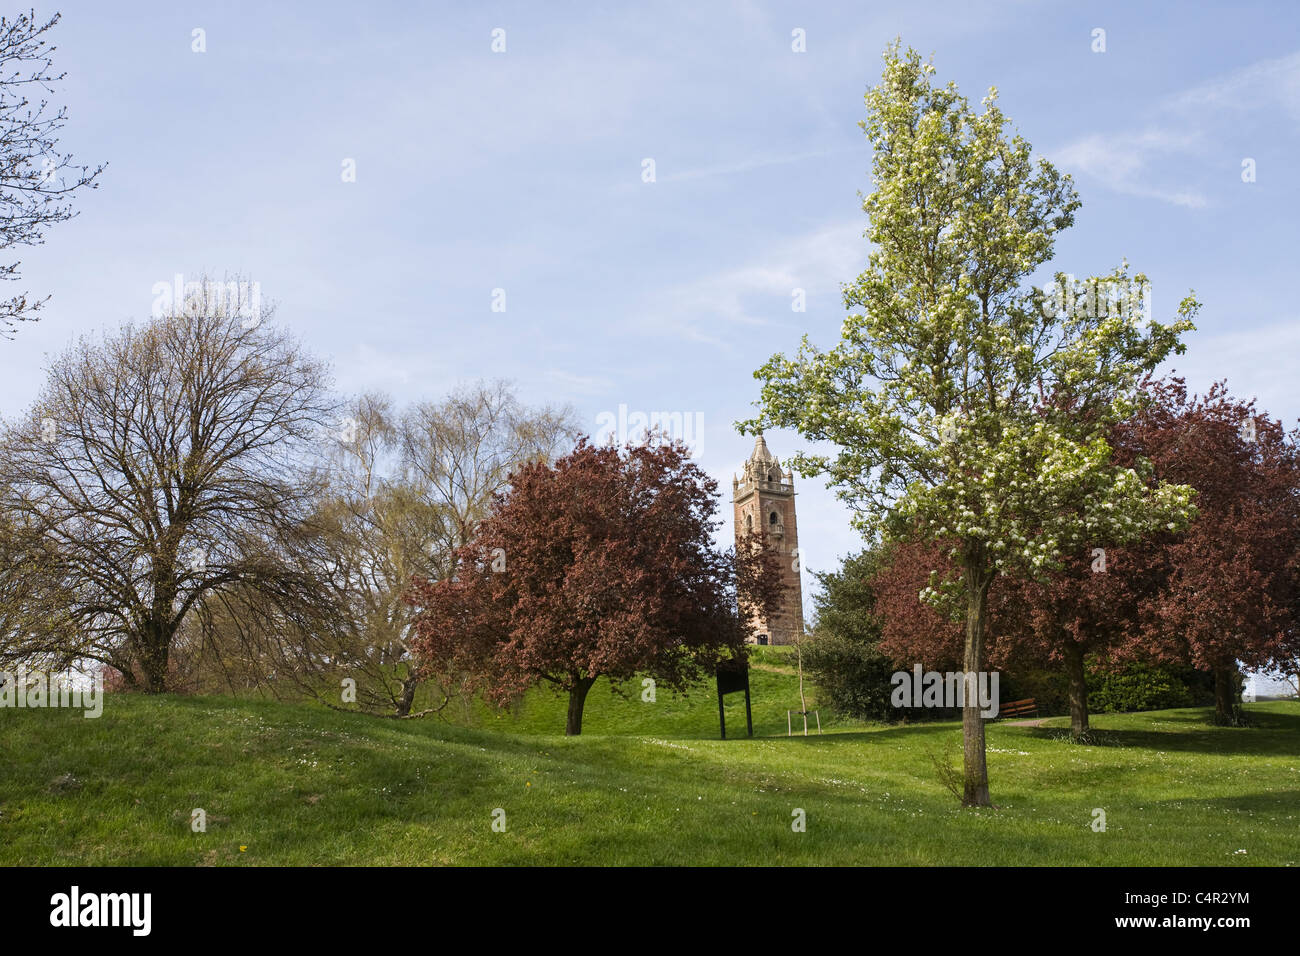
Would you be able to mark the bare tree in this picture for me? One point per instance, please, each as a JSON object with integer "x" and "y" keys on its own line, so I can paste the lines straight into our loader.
{"x": 36, "y": 180}
{"x": 459, "y": 452}
{"x": 408, "y": 489}
{"x": 165, "y": 465}
{"x": 376, "y": 530}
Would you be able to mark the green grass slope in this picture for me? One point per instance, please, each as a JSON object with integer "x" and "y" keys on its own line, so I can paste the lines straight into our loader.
{"x": 646, "y": 784}
{"x": 774, "y": 689}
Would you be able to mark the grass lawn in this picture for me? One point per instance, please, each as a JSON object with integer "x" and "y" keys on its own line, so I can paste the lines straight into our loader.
{"x": 646, "y": 784}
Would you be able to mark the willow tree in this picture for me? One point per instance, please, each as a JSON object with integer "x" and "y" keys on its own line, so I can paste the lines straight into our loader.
{"x": 965, "y": 405}
{"x": 408, "y": 489}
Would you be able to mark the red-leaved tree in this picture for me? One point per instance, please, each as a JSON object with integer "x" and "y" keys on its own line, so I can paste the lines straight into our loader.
{"x": 1083, "y": 609}
{"x": 1231, "y": 585}
{"x": 1225, "y": 590}
{"x": 912, "y": 630}
{"x": 600, "y": 565}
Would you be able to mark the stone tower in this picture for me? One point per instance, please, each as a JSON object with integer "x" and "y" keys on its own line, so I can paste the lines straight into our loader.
{"x": 764, "y": 501}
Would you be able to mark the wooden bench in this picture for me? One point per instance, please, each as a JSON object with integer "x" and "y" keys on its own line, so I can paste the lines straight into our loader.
{"x": 1019, "y": 708}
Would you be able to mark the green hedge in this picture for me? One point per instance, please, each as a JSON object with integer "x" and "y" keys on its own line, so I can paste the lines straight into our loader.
{"x": 1135, "y": 687}
{"x": 854, "y": 680}
{"x": 853, "y": 677}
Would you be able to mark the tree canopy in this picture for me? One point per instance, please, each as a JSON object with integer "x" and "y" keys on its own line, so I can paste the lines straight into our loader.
{"x": 166, "y": 464}
{"x": 599, "y": 565}
{"x": 965, "y": 404}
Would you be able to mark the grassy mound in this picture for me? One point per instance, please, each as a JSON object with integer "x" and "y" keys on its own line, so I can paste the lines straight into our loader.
{"x": 297, "y": 784}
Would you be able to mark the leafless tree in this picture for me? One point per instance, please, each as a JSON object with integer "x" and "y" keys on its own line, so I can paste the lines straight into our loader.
{"x": 163, "y": 467}
{"x": 36, "y": 180}
{"x": 459, "y": 452}
{"x": 407, "y": 489}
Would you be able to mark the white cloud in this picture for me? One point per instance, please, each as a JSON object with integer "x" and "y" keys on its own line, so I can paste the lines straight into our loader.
{"x": 760, "y": 293}
{"x": 400, "y": 371}
{"x": 758, "y": 162}
{"x": 1186, "y": 126}
{"x": 1125, "y": 162}
{"x": 581, "y": 384}
{"x": 1268, "y": 84}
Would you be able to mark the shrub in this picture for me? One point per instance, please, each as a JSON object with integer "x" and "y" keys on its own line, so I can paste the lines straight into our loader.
{"x": 852, "y": 675}
{"x": 1136, "y": 687}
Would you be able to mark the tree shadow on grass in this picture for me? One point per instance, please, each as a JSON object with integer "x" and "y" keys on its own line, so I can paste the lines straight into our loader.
{"x": 1270, "y": 815}
{"x": 881, "y": 734}
{"x": 1273, "y": 802}
{"x": 1272, "y": 734}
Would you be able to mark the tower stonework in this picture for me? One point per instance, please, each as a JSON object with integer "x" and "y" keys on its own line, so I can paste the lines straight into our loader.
{"x": 763, "y": 499}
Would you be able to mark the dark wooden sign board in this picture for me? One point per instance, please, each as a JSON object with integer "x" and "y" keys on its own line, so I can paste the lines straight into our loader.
{"x": 733, "y": 677}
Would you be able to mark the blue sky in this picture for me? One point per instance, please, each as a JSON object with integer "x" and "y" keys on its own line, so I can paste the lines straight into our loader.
{"x": 522, "y": 171}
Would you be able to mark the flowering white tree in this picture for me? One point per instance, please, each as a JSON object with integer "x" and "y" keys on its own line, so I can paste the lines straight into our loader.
{"x": 966, "y": 406}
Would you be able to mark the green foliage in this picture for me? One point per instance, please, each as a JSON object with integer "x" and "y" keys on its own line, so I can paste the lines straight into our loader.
{"x": 845, "y": 604}
{"x": 853, "y": 676}
{"x": 1135, "y": 687}
{"x": 1147, "y": 687}
{"x": 842, "y": 656}
{"x": 1050, "y": 689}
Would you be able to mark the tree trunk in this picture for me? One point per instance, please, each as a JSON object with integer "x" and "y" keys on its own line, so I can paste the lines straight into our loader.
{"x": 154, "y": 651}
{"x": 976, "y": 776}
{"x": 1225, "y": 695}
{"x": 404, "y": 702}
{"x": 155, "y": 645}
{"x": 577, "y": 698}
{"x": 1078, "y": 687}
{"x": 128, "y": 675}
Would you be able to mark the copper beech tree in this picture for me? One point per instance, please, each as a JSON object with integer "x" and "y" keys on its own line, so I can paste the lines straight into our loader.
{"x": 601, "y": 564}
{"x": 1231, "y": 590}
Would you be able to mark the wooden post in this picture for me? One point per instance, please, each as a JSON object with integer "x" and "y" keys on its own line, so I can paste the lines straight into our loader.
{"x": 789, "y": 726}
